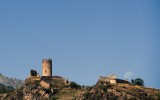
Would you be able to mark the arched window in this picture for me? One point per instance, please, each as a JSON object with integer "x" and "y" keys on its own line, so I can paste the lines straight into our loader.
{"x": 45, "y": 71}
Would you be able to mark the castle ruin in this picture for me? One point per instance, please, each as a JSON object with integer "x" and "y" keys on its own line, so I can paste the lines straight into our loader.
{"x": 46, "y": 75}
{"x": 47, "y": 67}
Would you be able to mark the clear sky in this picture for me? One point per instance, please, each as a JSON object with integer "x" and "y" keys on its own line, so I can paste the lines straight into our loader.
{"x": 84, "y": 38}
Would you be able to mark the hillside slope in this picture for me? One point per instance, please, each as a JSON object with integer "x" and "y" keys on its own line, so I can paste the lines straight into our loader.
{"x": 16, "y": 83}
{"x": 58, "y": 89}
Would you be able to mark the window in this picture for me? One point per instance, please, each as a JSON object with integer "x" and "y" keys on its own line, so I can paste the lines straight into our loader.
{"x": 45, "y": 71}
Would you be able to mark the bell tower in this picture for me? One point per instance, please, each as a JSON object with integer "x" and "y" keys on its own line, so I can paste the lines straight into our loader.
{"x": 47, "y": 67}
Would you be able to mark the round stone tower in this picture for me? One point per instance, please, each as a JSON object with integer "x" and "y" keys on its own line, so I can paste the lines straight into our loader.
{"x": 47, "y": 67}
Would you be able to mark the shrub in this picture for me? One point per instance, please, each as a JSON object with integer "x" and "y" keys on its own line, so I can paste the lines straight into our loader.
{"x": 138, "y": 81}
{"x": 75, "y": 85}
{"x": 132, "y": 81}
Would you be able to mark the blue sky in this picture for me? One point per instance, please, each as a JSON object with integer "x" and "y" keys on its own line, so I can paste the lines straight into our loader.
{"x": 85, "y": 39}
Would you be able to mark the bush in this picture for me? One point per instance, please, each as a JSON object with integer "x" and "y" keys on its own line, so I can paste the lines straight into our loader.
{"x": 75, "y": 85}
{"x": 132, "y": 81}
{"x": 138, "y": 81}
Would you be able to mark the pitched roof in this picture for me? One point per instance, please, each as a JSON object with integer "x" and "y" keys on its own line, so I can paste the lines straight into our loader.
{"x": 112, "y": 76}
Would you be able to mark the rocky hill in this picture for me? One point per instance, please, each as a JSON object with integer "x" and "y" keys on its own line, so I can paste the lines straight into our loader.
{"x": 13, "y": 82}
{"x": 57, "y": 88}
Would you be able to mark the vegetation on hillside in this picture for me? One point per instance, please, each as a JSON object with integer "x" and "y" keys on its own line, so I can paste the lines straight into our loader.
{"x": 75, "y": 85}
{"x": 5, "y": 89}
{"x": 138, "y": 81}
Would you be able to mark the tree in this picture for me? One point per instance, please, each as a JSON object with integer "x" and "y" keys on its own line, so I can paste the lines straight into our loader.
{"x": 75, "y": 85}
{"x": 132, "y": 80}
{"x": 138, "y": 81}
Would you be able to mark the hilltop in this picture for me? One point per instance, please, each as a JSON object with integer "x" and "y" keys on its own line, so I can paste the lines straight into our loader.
{"x": 57, "y": 88}
{"x": 48, "y": 87}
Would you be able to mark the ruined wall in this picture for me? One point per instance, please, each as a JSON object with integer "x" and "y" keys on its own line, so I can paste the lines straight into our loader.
{"x": 45, "y": 84}
{"x": 46, "y": 67}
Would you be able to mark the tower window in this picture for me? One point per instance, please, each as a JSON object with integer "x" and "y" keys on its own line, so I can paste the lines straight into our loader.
{"x": 45, "y": 71}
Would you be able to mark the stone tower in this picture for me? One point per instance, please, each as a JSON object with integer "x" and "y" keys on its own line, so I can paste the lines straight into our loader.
{"x": 47, "y": 67}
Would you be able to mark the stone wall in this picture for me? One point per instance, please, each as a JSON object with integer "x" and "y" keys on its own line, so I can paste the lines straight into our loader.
{"x": 45, "y": 84}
